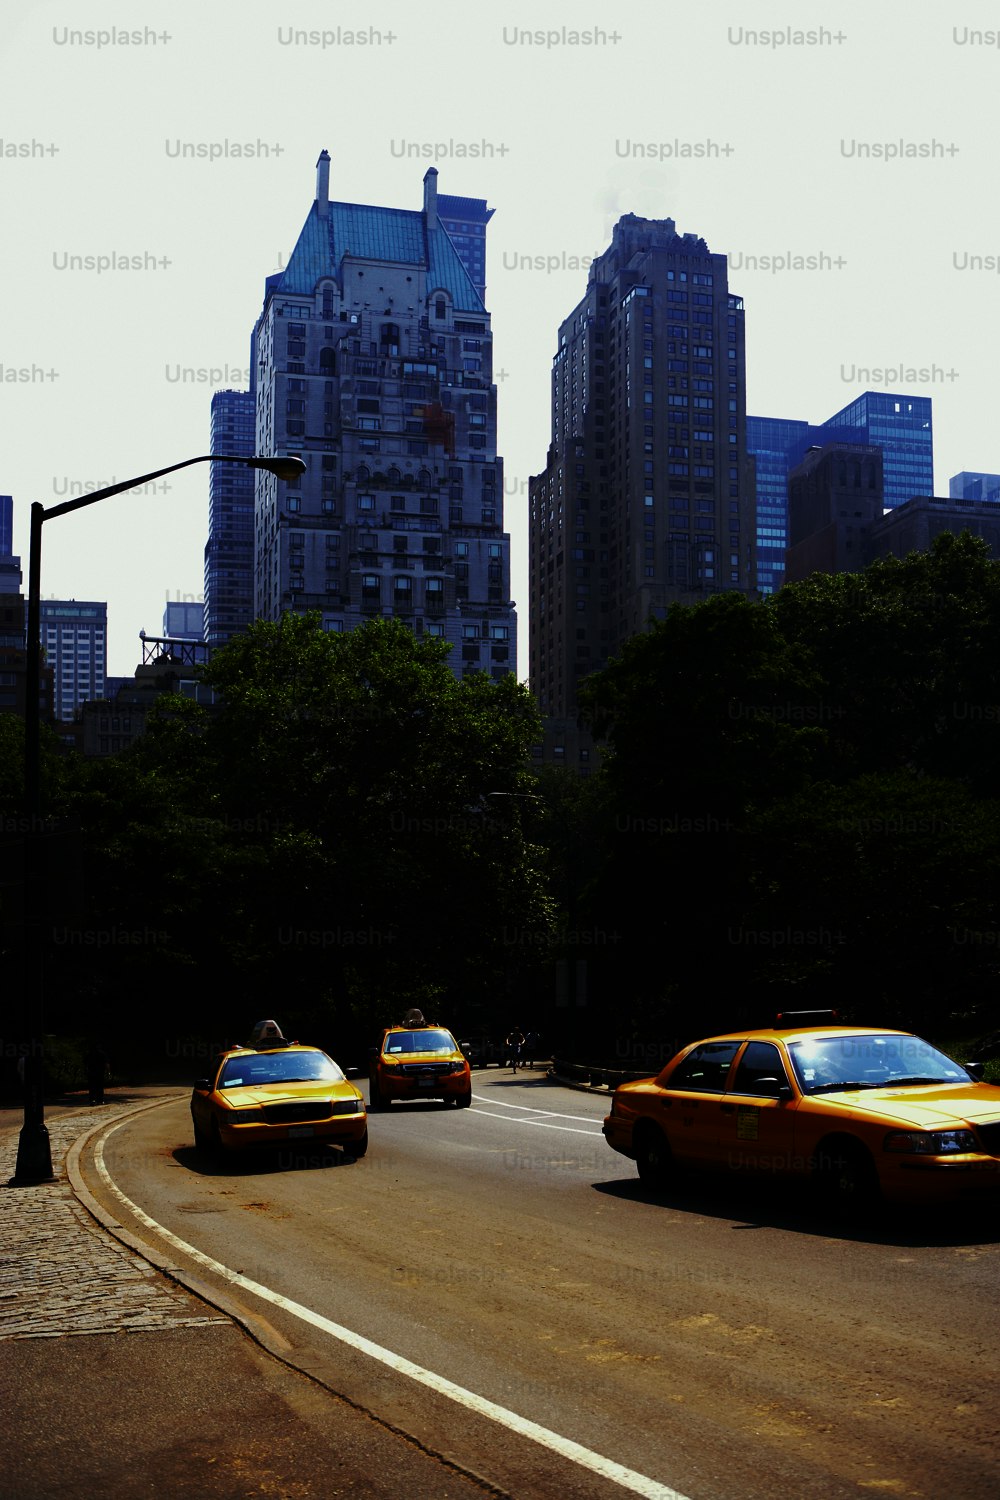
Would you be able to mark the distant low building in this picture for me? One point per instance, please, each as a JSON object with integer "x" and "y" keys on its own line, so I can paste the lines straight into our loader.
{"x": 913, "y": 527}
{"x": 106, "y": 726}
{"x": 834, "y": 499}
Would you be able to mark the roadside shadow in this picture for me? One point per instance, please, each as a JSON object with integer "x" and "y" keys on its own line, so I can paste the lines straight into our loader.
{"x": 766, "y": 1205}
{"x": 266, "y": 1162}
{"x": 523, "y": 1078}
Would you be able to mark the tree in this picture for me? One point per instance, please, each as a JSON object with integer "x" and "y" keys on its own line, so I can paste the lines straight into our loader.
{"x": 346, "y": 845}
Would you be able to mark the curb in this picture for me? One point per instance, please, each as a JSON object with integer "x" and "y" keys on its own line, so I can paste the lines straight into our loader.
{"x": 263, "y": 1333}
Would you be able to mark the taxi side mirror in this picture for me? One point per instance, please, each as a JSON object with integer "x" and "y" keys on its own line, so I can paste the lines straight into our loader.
{"x": 773, "y": 1088}
{"x": 975, "y": 1070}
{"x": 203, "y": 1083}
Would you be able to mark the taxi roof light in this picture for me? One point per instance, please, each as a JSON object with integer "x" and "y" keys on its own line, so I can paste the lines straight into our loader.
{"x": 786, "y": 1019}
{"x": 266, "y": 1035}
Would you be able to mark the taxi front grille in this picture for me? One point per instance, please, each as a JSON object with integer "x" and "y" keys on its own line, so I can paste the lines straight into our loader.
{"x": 990, "y": 1136}
{"x": 425, "y": 1070}
{"x": 292, "y": 1114}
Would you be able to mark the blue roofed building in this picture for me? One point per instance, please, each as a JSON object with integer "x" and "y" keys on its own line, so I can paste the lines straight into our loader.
{"x": 373, "y": 363}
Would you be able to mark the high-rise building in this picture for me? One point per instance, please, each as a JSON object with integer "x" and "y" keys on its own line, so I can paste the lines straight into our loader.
{"x": 373, "y": 360}
{"x": 10, "y": 566}
{"x": 967, "y": 486}
{"x": 6, "y": 525}
{"x": 228, "y": 608}
{"x": 74, "y": 642}
{"x": 184, "y": 620}
{"x": 647, "y": 497}
{"x": 900, "y": 425}
{"x": 465, "y": 220}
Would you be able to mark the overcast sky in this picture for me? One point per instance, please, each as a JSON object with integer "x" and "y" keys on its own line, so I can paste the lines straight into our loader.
{"x": 861, "y": 136}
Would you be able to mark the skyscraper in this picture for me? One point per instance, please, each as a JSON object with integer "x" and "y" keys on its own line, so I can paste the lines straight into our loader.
{"x": 229, "y": 549}
{"x": 647, "y": 495}
{"x": 374, "y": 364}
{"x": 10, "y": 566}
{"x": 969, "y": 485}
{"x": 465, "y": 220}
{"x": 900, "y": 425}
{"x": 74, "y": 640}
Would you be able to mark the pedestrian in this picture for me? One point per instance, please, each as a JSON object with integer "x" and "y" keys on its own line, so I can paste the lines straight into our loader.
{"x": 515, "y": 1045}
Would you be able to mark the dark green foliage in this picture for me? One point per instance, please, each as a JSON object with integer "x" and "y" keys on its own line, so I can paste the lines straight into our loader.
{"x": 801, "y": 798}
{"x": 323, "y": 847}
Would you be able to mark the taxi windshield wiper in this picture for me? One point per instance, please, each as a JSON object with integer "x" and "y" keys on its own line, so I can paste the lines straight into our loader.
{"x": 891, "y": 1082}
{"x": 833, "y": 1088}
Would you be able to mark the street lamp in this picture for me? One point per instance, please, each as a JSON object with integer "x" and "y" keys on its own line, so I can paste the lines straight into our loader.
{"x": 34, "y": 1157}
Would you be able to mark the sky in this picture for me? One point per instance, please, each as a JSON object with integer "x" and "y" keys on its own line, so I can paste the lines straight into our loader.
{"x": 158, "y": 161}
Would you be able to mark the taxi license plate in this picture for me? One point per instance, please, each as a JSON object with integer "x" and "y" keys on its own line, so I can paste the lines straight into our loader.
{"x": 297, "y": 1132}
{"x": 425, "y": 1083}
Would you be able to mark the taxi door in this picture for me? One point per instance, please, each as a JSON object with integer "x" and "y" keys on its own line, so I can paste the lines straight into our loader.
{"x": 691, "y": 1102}
{"x": 757, "y": 1125}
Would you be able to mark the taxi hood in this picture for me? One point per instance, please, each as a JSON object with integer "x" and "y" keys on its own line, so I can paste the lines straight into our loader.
{"x": 250, "y": 1094}
{"x": 928, "y": 1107}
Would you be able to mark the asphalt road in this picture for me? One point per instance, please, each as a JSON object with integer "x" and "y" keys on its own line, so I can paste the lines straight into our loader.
{"x": 717, "y": 1342}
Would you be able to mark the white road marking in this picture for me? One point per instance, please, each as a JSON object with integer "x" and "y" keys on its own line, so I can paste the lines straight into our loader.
{"x": 527, "y": 1108}
{"x": 541, "y": 1124}
{"x": 628, "y": 1479}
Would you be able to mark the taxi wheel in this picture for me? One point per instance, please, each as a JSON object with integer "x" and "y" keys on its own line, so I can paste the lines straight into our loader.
{"x": 358, "y": 1148}
{"x": 201, "y": 1140}
{"x": 463, "y": 1100}
{"x": 652, "y": 1157}
{"x": 846, "y": 1179}
{"x": 375, "y": 1100}
{"x": 215, "y": 1143}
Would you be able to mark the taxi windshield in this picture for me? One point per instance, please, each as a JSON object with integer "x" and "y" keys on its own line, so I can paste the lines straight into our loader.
{"x": 255, "y": 1069}
{"x": 825, "y": 1064}
{"x": 420, "y": 1041}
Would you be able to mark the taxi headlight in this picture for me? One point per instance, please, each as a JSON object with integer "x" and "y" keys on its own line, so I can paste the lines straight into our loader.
{"x": 931, "y": 1142}
{"x": 246, "y": 1116}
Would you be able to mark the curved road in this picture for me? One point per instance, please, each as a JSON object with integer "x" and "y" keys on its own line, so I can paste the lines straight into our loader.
{"x": 715, "y": 1342}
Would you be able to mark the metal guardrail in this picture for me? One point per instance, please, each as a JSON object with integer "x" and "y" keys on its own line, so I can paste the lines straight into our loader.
{"x": 595, "y": 1076}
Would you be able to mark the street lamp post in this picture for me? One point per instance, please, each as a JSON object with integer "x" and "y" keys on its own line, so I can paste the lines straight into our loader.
{"x": 34, "y": 1157}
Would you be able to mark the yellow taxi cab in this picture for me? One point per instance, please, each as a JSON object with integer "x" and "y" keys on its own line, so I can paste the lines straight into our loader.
{"x": 272, "y": 1092}
{"x": 418, "y": 1061}
{"x": 857, "y": 1112}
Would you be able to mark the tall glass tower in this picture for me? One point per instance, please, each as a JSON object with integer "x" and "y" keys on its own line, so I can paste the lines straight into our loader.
{"x": 229, "y": 549}
{"x": 899, "y": 425}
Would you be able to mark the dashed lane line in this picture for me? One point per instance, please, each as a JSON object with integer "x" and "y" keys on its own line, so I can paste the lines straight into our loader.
{"x": 596, "y": 1463}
